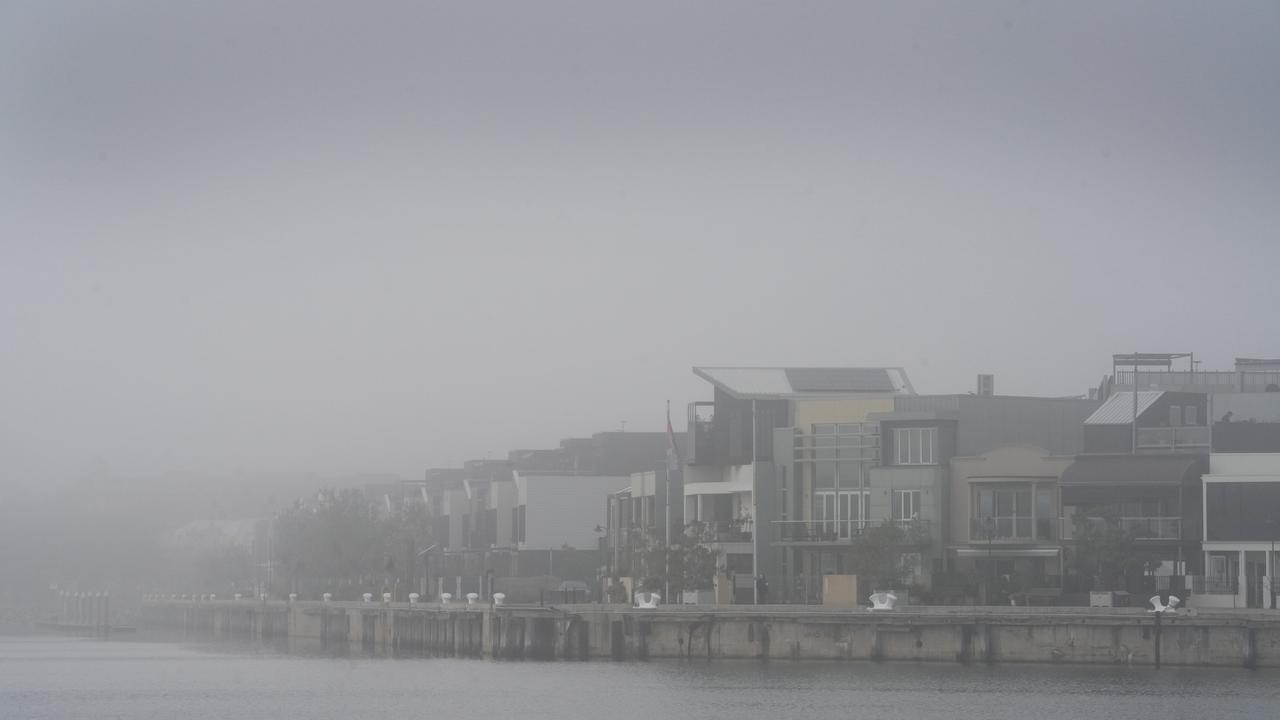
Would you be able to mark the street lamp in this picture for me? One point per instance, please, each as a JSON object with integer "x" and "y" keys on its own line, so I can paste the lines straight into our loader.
{"x": 1271, "y": 561}
{"x": 989, "y": 529}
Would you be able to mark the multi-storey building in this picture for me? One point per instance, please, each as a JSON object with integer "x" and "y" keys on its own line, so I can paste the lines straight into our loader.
{"x": 775, "y": 449}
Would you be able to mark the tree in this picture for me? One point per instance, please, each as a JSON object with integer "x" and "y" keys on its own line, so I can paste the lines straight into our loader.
{"x": 1105, "y": 553}
{"x": 877, "y": 557}
{"x": 690, "y": 563}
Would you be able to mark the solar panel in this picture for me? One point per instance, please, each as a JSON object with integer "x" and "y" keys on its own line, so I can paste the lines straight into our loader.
{"x": 839, "y": 380}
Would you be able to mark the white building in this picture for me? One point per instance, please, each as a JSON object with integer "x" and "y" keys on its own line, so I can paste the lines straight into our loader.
{"x": 1241, "y": 518}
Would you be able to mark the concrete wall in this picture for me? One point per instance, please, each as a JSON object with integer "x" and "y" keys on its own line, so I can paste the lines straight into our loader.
{"x": 1054, "y": 635}
{"x": 808, "y": 412}
{"x": 565, "y": 509}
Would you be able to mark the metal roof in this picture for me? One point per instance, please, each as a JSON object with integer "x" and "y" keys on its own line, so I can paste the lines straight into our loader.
{"x": 777, "y": 382}
{"x": 1118, "y": 409}
{"x": 1095, "y": 479}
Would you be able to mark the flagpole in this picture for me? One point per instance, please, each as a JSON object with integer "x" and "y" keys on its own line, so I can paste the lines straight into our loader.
{"x": 666, "y": 554}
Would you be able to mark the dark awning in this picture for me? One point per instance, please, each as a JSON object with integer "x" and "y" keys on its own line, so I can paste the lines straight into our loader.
{"x": 1107, "y": 478}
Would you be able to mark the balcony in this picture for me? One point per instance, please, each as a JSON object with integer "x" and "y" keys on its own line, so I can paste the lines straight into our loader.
{"x": 1152, "y": 528}
{"x": 845, "y": 532}
{"x": 1145, "y": 528}
{"x": 1199, "y": 381}
{"x": 721, "y": 531}
{"x": 1171, "y": 439}
{"x": 1015, "y": 529}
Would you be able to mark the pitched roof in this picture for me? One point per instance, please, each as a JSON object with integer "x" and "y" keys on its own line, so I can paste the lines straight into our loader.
{"x": 778, "y": 382}
{"x": 1118, "y": 409}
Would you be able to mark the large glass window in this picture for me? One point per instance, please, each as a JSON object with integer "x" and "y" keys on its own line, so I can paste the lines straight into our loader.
{"x": 841, "y": 513}
{"x": 916, "y": 446}
{"x": 1002, "y": 513}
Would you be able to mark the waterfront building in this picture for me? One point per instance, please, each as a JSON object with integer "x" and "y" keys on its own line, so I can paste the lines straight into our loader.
{"x": 937, "y": 451}
{"x": 779, "y": 451}
{"x": 1241, "y": 505}
{"x": 534, "y": 523}
{"x": 1144, "y": 454}
{"x": 1005, "y": 536}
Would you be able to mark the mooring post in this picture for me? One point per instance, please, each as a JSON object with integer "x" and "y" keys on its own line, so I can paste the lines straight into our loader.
{"x": 1159, "y": 615}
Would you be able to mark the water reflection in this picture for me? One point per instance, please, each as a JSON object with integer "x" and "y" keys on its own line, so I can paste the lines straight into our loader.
{"x": 63, "y": 678}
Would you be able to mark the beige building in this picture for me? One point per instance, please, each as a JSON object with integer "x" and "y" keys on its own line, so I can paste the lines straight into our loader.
{"x": 1004, "y": 520}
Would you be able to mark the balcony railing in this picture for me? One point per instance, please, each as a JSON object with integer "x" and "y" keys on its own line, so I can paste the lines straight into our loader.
{"x": 1147, "y": 528}
{"x": 1213, "y": 585}
{"x": 1201, "y": 380}
{"x": 1013, "y": 529}
{"x": 1174, "y": 438}
{"x": 843, "y": 532}
{"x": 1153, "y": 528}
{"x": 721, "y": 530}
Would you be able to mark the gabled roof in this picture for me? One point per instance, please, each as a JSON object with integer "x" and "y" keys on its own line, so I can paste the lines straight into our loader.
{"x": 778, "y": 382}
{"x": 1118, "y": 409}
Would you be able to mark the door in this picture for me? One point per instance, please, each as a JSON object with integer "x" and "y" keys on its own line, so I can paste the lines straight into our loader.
{"x": 1255, "y": 567}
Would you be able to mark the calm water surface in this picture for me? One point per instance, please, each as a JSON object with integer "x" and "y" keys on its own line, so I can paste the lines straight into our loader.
{"x": 65, "y": 678}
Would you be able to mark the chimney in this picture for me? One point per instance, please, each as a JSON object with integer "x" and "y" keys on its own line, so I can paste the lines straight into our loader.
{"x": 986, "y": 384}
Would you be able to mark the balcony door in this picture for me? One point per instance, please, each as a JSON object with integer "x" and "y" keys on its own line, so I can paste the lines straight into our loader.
{"x": 840, "y": 513}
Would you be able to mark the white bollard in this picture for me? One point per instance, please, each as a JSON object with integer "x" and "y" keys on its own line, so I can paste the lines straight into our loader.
{"x": 368, "y": 597}
{"x": 327, "y": 597}
{"x": 386, "y": 598}
{"x": 471, "y": 598}
{"x": 413, "y": 598}
{"x": 499, "y": 598}
{"x": 293, "y": 597}
{"x": 212, "y": 597}
{"x": 239, "y": 595}
{"x": 445, "y": 598}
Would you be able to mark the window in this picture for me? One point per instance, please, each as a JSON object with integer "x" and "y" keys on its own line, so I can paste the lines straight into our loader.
{"x": 916, "y": 446}
{"x": 1002, "y": 513}
{"x": 1189, "y": 415}
{"x": 906, "y": 504}
{"x": 1175, "y": 415}
{"x": 840, "y": 513}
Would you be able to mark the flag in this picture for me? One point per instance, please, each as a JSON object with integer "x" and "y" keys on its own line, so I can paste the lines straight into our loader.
{"x": 673, "y": 452}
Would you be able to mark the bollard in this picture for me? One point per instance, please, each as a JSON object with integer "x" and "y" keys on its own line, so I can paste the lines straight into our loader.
{"x": 445, "y": 598}
{"x": 327, "y": 597}
{"x": 413, "y": 598}
{"x": 368, "y": 597}
{"x": 499, "y": 598}
{"x": 212, "y": 597}
{"x": 293, "y": 597}
{"x": 386, "y": 598}
{"x": 238, "y": 596}
{"x": 471, "y": 598}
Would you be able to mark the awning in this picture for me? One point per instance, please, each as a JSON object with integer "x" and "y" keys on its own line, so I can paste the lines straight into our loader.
{"x": 1098, "y": 479}
{"x": 1006, "y": 552}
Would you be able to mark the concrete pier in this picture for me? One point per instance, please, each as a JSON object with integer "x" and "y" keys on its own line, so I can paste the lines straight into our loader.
{"x": 580, "y": 632}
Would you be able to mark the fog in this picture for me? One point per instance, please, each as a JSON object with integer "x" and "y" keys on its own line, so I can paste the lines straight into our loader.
{"x": 339, "y": 238}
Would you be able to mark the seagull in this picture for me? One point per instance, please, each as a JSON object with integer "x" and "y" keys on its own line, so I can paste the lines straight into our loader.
{"x": 1159, "y": 607}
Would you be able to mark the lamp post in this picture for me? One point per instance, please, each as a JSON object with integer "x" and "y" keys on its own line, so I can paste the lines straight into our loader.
{"x": 1271, "y": 562}
{"x": 989, "y": 529}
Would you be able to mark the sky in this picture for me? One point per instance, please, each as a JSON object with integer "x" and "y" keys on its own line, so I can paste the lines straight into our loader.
{"x": 378, "y": 237}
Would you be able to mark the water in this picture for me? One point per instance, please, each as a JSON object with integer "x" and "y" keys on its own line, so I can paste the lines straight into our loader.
{"x": 65, "y": 679}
